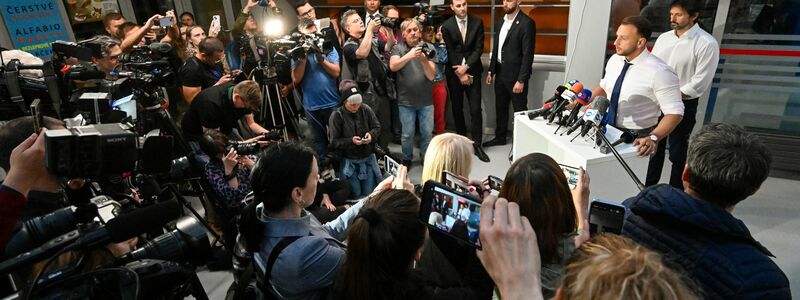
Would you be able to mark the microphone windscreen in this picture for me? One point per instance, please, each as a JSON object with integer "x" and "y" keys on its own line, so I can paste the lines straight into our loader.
{"x": 86, "y": 75}
{"x": 601, "y": 104}
{"x": 142, "y": 220}
{"x": 560, "y": 90}
{"x": 583, "y": 97}
{"x": 577, "y": 87}
{"x": 160, "y": 47}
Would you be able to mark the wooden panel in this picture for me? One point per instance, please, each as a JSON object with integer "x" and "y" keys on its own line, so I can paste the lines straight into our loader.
{"x": 551, "y": 44}
{"x": 550, "y": 19}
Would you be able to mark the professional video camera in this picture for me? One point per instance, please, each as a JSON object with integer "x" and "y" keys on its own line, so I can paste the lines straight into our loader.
{"x": 252, "y": 148}
{"x": 429, "y": 13}
{"x": 388, "y": 22}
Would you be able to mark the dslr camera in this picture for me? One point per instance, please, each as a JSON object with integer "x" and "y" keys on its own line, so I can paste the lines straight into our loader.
{"x": 388, "y": 22}
{"x": 428, "y": 49}
{"x": 252, "y": 148}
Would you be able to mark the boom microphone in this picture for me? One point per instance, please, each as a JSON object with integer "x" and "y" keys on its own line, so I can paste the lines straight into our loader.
{"x": 37, "y": 231}
{"x": 86, "y": 74}
{"x": 116, "y": 230}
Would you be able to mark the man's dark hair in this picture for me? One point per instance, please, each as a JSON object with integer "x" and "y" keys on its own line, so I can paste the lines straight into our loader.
{"x": 726, "y": 164}
{"x": 213, "y": 142}
{"x": 111, "y": 17}
{"x": 16, "y": 131}
{"x": 211, "y": 45}
{"x": 299, "y": 4}
{"x": 641, "y": 24}
{"x": 693, "y": 7}
{"x": 279, "y": 170}
{"x": 386, "y": 8}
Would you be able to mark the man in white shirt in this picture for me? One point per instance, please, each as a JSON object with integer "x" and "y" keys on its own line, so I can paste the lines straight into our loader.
{"x": 694, "y": 55}
{"x": 510, "y": 66}
{"x": 641, "y": 87}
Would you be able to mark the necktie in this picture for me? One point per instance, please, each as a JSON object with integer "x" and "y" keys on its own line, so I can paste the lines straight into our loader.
{"x": 612, "y": 108}
{"x": 463, "y": 29}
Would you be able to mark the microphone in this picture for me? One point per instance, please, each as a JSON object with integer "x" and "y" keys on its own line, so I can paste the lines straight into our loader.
{"x": 86, "y": 74}
{"x": 547, "y": 104}
{"x": 584, "y": 97}
{"x": 594, "y": 115}
{"x": 188, "y": 241}
{"x": 39, "y": 230}
{"x": 116, "y": 230}
{"x": 160, "y": 47}
{"x": 626, "y": 138}
{"x": 149, "y": 64}
{"x": 566, "y": 98}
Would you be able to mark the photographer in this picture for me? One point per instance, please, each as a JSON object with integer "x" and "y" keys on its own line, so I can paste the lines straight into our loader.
{"x": 353, "y": 128}
{"x": 305, "y": 10}
{"x": 411, "y": 60}
{"x": 316, "y": 76}
{"x": 244, "y": 25}
{"x": 204, "y": 69}
{"x": 112, "y": 21}
{"x": 229, "y": 175}
{"x": 221, "y": 107}
{"x": 361, "y": 51}
{"x": 137, "y": 35}
{"x": 390, "y": 31}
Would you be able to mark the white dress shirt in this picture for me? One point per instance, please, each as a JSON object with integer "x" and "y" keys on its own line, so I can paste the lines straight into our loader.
{"x": 462, "y": 25}
{"x": 650, "y": 88}
{"x": 694, "y": 56}
{"x": 503, "y": 33}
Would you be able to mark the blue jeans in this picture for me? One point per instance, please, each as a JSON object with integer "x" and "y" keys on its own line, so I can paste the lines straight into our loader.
{"x": 362, "y": 175}
{"x": 318, "y": 121}
{"x": 408, "y": 117}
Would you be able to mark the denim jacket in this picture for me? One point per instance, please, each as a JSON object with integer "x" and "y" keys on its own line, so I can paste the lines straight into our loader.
{"x": 308, "y": 266}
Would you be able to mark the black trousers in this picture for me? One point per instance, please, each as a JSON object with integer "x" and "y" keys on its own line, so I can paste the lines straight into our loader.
{"x": 456, "y": 92}
{"x": 678, "y": 142}
{"x": 502, "y": 96}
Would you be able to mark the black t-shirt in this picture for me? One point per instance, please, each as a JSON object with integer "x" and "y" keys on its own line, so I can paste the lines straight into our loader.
{"x": 376, "y": 66}
{"x": 195, "y": 73}
{"x": 212, "y": 108}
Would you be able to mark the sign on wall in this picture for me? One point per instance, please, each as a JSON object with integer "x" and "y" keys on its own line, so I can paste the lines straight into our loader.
{"x": 33, "y": 25}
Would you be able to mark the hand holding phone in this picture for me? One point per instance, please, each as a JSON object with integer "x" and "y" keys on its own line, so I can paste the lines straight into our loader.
{"x": 572, "y": 174}
{"x": 453, "y": 213}
{"x": 165, "y": 22}
{"x": 391, "y": 166}
{"x": 495, "y": 183}
{"x": 455, "y": 182}
{"x": 605, "y": 216}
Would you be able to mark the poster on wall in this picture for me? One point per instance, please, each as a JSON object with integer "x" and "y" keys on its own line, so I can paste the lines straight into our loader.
{"x": 84, "y": 11}
{"x": 33, "y": 25}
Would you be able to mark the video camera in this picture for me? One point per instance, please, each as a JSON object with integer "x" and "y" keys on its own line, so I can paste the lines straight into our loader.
{"x": 299, "y": 45}
{"x": 429, "y": 12}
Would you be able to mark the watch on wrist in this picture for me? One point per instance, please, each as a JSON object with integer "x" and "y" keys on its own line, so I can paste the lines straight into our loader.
{"x": 654, "y": 138}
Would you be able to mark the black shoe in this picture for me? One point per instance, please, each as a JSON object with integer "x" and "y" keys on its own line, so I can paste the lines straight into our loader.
{"x": 495, "y": 142}
{"x": 478, "y": 150}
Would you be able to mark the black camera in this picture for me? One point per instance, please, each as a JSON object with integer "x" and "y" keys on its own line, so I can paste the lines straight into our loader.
{"x": 429, "y": 13}
{"x": 385, "y": 21}
{"x": 427, "y": 49}
{"x": 83, "y": 50}
{"x": 250, "y": 148}
{"x": 90, "y": 151}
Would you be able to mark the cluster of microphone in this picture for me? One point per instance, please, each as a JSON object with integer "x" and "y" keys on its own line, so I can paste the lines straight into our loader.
{"x": 573, "y": 107}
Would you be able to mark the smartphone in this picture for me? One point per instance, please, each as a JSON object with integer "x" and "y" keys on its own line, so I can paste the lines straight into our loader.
{"x": 495, "y": 183}
{"x": 391, "y": 165}
{"x": 572, "y": 174}
{"x": 165, "y": 22}
{"x": 605, "y": 216}
{"x": 451, "y": 212}
{"x": 36, "y": 113}
{"x": 215, "y": 22}
{"x": 455, "y": 182}
{"x": 322, "y": 23}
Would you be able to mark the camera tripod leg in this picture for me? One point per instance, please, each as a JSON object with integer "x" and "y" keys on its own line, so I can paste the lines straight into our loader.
{"x": 188, "y": 206}
{"x": 280, "y": 107}
{"x": 269, "y": 104}
{"x": 198, "y": 292}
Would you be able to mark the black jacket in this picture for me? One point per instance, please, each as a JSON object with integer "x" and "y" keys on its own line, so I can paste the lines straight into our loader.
{"x": 458, "y": 49}
{"x": 344, "y": 125}
{"x": 517, "y": 49}
{"x": 712, "y": 246}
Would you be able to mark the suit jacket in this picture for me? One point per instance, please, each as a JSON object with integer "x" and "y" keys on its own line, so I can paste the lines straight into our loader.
{"x": 469, "y": 49}
{"x": 517, "y": 49}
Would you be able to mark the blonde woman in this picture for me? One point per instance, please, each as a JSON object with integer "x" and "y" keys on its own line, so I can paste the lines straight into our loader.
{"x": 450, "y": 152}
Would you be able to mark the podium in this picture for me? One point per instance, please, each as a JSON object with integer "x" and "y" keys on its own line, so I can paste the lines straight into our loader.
{"x": 608, "y": 179}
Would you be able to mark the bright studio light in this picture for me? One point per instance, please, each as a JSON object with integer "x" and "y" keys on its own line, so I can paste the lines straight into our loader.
{"x": 273, "y": 27}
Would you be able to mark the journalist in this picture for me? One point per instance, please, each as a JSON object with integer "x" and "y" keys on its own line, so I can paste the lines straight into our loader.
{"x": 695, "y": 228}
{"x": 362, "y": 54}
{"x": 204, "y": 69}
{"x": 308, "y": 253}
{"x": 353, "y": 128}
{"x": 316, "y": 75}
{"x": 415, "y": 72}
{"x": 221, "y": 107}
{"x": 244, "y": 28}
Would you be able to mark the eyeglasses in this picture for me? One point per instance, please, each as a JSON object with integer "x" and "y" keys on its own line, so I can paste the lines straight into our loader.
{"x": 308, "y": 13}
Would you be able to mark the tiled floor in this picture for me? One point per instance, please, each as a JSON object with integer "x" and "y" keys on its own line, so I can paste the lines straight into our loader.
{"x": 772, "y": 214}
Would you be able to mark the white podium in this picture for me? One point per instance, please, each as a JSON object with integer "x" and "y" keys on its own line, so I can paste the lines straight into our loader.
{"x": 608, "y": 179}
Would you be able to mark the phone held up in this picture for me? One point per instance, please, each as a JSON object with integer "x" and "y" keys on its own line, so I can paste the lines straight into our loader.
{"x": 391, "y": 165}
{"x": 605, "y": 216}
{"x": 450, "y": 212}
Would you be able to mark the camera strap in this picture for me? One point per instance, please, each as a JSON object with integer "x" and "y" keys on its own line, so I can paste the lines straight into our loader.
{"x": 263, "y": 283}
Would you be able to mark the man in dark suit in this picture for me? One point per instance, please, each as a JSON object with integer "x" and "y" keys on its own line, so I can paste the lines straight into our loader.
{"x": 510, "y": 66}
{"x": 463, "y": 34}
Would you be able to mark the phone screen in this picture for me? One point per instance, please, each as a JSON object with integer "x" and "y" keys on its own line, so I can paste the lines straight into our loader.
{"x": 451, "y": 212}
{"x": 572, "y": 174}
{"x": 455, "y": 182}
{"x": 605, "y": 216}
{"x": 391, "y": 166}
{"x": 165, "y": 22}
{"x": 495, "y": 183}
